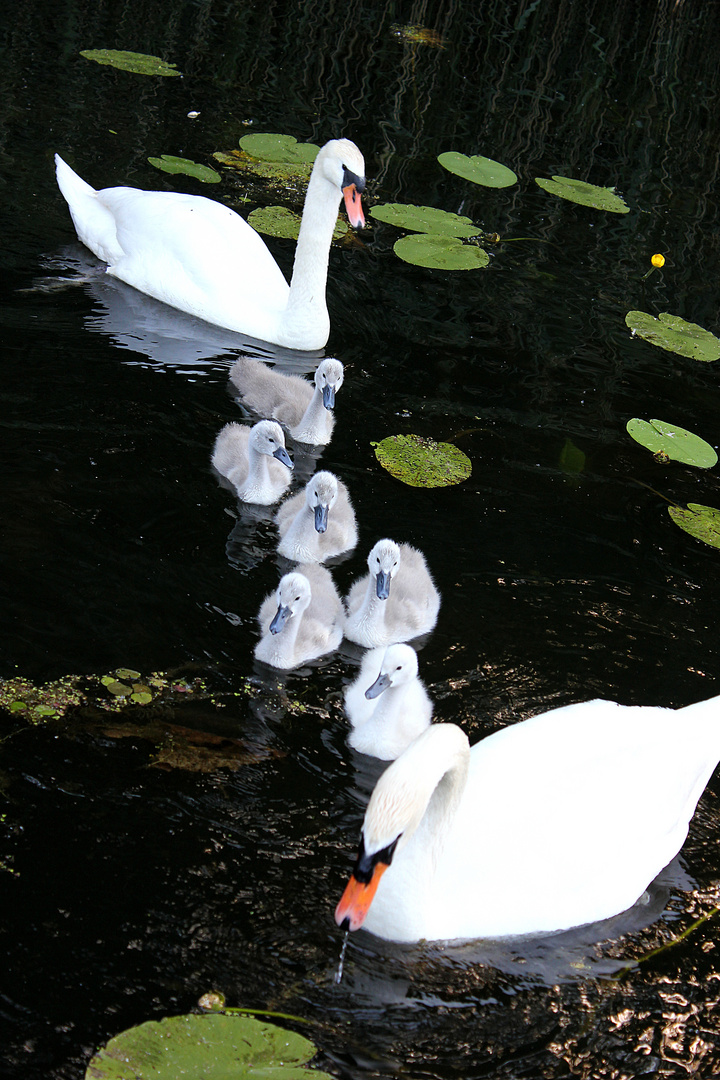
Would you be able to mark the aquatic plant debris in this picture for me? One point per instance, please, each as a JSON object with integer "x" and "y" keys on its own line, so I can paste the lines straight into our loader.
{"x": 285, "y": 223}
{"x": 572, "y": 458}
{"x": 440, "y": 252}
{"x": 414, "y": 34}
{"x": 425, "y": 219}
{"x": 675, "y": 334}
{"x": 278, "y": 158}
{"x": 283, "y": 149}
{"x": 702, "y": 522}
{"x": 421, "y": 462}
{"x": 169, "y": 164}
{"x": 672, "y": 443}
{"x": 478, "y": 169}
{"x": 578, "y": 191}
{"x": 212, "y": 1045}
{"x": 137, "y": 63}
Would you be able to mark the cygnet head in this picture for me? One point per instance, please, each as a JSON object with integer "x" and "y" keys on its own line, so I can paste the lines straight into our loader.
{"x": 343, "y": 165}
{"x": 383, "y": 562}
{"x": 399, "y": 666}
{"x": 267, "y": 438}
{"x": 320, "y": 493}
{"x": 293, "y": 597}
{"x": 328, "y": 379}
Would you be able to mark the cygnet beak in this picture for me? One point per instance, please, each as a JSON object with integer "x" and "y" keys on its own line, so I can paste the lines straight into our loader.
{"x": 282, "y": 455}
{"x": 321, "y": 518}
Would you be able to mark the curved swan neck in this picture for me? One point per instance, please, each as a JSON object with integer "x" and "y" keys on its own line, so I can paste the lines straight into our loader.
{"x": 306, "y": 302}
{"x": 420, "y": 792}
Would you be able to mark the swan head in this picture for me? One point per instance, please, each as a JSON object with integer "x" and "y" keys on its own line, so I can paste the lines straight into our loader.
{"x": 383, "y": 562}
{"x": 343, "y": 165}
{"x": 320, "y": 494}
{"x": 267, "y": 438}
{"x": 399, "y": 666}
{"x": 293, "y": 597}
{"x": 328, "y": 379}
{"x": 397, "y": 806}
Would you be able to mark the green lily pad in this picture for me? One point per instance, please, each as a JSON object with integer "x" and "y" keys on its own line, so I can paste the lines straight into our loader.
{"x": 214, "y": 1046}
{"x": 138, "y": 63}
{"x": 118, "y": 689}
{"x": 169, "y": 164}
{"x": 674, "y": 334}
{"x": 572, "y": 459}
{"x": 440, "y": 252}
{"x": 425, "y": 219}
{"x": 285, "y": 223}
{"x": 422, "y": 462}
{"x": 702, "y": 522}
{"x": 283, "y": 149}
{"x": 577, "y": 191}
{"x": 669, "y": 442}
{"x": 478, "y": 169}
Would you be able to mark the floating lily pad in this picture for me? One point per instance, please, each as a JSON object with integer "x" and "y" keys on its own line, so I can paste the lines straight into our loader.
{"x": 212, "y": 1045}
{"x": 440, "y": 252}
{"x": 170, "y": 164}
{"x": 425, "y": 219}
{"x": 572, "y": 459}
{"x": 702, "y": 522}
{"x": 138, "y": 63}
{"x": 422, "y": 462}
{"x": 285, "y": 223}
{"x": 577, "y": 191}
{"x": 672, "y": 442}
{"x": 674, "y": 334}
{"x": 283, "y": 149}
{"x": 478, "y": 169}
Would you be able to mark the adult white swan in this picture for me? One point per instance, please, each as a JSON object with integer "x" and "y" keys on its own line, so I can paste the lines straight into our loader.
{"x": 559, "y": 820}
{"x": 201, "y": 257}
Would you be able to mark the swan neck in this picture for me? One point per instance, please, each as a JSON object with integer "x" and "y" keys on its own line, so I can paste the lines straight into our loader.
{"x": 306, "y": 301}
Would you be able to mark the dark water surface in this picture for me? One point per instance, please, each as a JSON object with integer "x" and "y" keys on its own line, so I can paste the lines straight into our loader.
{"x": 128, "y": 891}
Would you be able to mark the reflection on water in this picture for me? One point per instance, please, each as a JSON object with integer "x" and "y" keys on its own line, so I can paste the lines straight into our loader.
{"x": 135, "y": 890}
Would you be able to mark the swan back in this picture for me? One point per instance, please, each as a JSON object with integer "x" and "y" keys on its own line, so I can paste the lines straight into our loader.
{"x": 387, "y": 704}
{"x": 302, "y": 620}
{"x": 396, "y": 601}
{"x": 317, "y": 523}
{"x": 254, "y": 460}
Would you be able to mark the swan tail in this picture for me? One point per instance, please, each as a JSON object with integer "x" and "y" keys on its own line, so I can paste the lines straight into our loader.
{"x": 94, "y": 223}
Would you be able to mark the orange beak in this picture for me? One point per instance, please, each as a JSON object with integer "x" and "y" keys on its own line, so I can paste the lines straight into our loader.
{"x": 357, "y": 898}
{"x": 353, "y": 206}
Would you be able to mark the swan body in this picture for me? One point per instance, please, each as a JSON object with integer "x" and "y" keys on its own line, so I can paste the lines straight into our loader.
{"x": 317, "y": 523}
{"x": 254, "y": 460}
{"x": 201, "y": 257}
{"x": 302, "y": 620}
{"x": 559, "y": 820}
{"x": 387, "y": 704}
{"x": 307, "y": 413}
{"x": 395, "y": 601}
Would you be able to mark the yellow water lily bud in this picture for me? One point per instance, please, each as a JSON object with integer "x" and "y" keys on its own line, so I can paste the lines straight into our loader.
{"x": 658, "y": 260}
